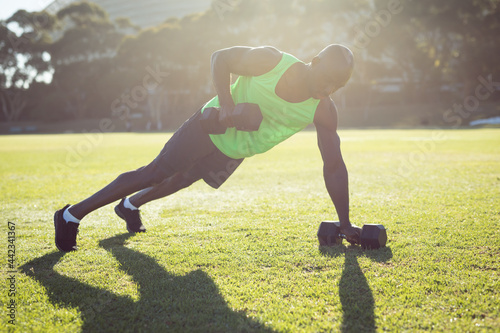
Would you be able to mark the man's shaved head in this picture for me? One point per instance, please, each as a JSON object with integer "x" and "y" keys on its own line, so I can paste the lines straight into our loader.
{"x": 330, "y": 70}
{"x": 341, "y": 60}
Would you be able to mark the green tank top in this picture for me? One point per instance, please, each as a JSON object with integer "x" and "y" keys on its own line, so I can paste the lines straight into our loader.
{"x": 281, "y": 119}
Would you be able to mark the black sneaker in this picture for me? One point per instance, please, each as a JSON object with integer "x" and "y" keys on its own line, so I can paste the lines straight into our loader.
{"x": 132, "y": 217}
{"x": 65, "y": 232}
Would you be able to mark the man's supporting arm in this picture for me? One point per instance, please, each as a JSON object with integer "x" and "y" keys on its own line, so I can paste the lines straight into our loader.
{"x": 334, "y": 172}
{"x": 334, "y": 168}
{"x": 337, "y": 184}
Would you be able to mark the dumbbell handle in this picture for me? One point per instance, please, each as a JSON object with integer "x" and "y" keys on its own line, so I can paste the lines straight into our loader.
{"x": 343, "y": 237}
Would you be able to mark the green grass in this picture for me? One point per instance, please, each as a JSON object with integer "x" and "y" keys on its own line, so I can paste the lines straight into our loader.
{"x": 245, "y": 257}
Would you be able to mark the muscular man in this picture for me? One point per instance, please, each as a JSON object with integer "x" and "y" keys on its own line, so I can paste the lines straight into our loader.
{"x": 291, "y": 95}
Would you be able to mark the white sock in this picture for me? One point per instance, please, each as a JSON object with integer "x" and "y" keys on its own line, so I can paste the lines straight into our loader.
{"x": 128, "y": 205}
{"x": 68, "y": 217}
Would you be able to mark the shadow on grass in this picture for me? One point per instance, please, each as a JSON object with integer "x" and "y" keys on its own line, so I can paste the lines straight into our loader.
{"x": 358, "y": 304}
{"x": 167, "y": 302}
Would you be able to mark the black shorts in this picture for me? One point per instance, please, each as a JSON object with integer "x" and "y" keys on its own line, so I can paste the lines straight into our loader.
{"x": 191, "y": 151}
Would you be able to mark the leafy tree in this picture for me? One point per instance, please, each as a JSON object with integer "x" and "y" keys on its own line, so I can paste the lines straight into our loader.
{"x": 436, "y": 43}
{"x": 83, "y": 55}
{"x": 428, "y": 44}
{"x": 24, "y": 42}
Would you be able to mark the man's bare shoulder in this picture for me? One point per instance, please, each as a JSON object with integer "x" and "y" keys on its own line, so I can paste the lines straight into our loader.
{"x": 249, "y": 61}
{"x": 267, "y": 54}
{"x": 273, "y": 51}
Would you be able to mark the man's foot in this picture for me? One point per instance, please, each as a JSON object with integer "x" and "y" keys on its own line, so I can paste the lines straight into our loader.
{"x": 132, "y": 217}
{"x": 65, "y": 232}
{"x": 352, "y": 234}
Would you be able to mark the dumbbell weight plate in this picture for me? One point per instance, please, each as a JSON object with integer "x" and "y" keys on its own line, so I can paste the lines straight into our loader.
{"x": 373, "y": 236}
{"x": 210, "y": 121}
{"x": 328, "y": 233}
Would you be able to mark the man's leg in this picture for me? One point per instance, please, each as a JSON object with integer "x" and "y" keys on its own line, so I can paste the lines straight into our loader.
{"x": 165, "y": 188}
{"x": 66, "y": 227}
{"x": 188, "y": 144}
{"x": 186, "y": 147}
{"x": 125, "y": 184}
{"x": 128, "y": 208}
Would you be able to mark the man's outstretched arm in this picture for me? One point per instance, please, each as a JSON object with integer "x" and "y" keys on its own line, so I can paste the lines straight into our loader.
{"x": 334, "y": 169}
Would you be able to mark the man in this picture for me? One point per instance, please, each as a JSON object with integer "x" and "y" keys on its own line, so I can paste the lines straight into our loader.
{"x": 291, "y": 95}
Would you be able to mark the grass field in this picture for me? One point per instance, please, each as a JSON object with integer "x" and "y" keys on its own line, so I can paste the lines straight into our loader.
{"x": 245, "y": 257}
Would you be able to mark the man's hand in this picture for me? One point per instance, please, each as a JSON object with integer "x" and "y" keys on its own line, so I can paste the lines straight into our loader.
{"x": 352, "y": 233}
{"x": 225, "y": 112}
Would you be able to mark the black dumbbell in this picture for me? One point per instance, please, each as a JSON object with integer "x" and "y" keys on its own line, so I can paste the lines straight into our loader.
{"x": 329, "y": 233}
{"x": 245, "y": 117}
{"x": 372, "y": 236}
{"x": 210, "y": 121}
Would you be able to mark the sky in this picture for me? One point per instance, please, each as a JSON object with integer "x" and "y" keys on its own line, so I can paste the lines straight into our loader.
{"x": 9, "y": 7}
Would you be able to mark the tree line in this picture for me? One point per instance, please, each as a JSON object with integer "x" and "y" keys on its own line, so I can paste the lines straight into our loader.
{"x": 80, "y": 64}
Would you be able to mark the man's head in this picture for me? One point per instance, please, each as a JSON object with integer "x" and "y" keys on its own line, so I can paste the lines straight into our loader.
{"x": 330, "y": 70}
